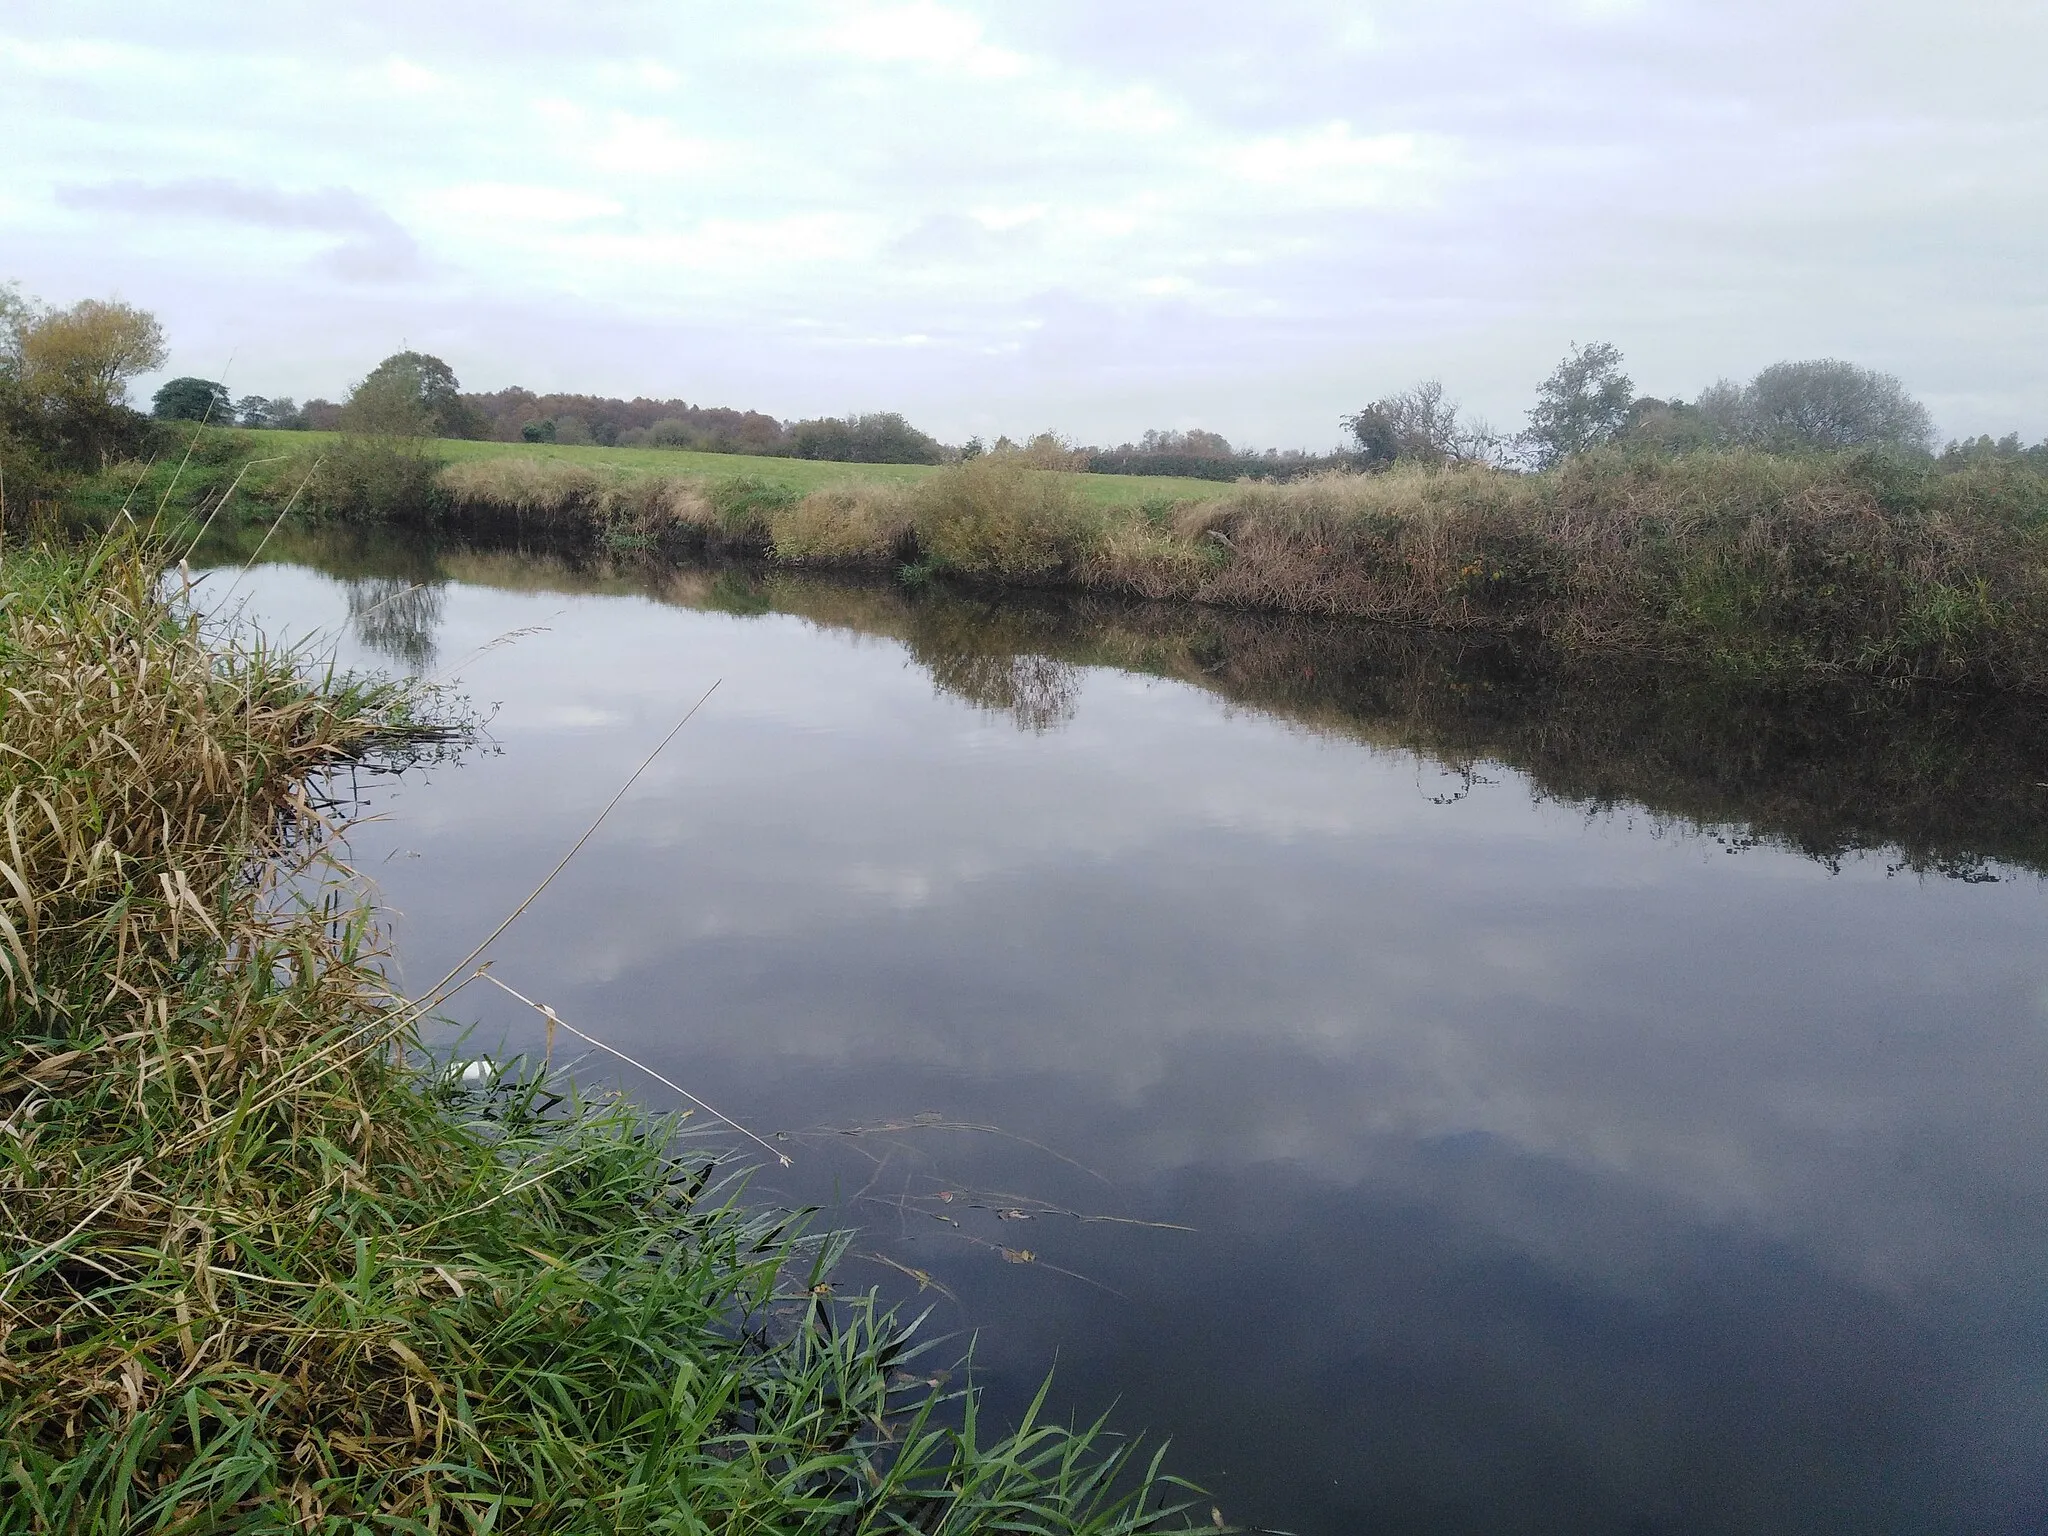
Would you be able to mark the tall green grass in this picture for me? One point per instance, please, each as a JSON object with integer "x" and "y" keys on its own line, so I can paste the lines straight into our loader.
{"x": 266, "y": 1266}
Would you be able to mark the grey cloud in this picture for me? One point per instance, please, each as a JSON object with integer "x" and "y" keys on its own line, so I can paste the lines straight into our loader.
{"x": 334, "y": 210}
{"x": 1713, "y": 187}
{"x": 373, "y": 246}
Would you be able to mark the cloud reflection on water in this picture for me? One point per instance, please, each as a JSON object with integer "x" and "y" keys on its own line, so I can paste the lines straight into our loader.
{"x": 1687, "y": 1135}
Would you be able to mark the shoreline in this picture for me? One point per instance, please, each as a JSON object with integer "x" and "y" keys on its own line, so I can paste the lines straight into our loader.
{"x": 1830, "y": 766}
{"x": 267, "y": 1252}
{"x": 1759, "y": 566}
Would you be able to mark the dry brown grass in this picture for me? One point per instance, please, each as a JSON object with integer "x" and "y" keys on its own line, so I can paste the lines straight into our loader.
{"x": 142, "y": 777}
{"x": 999, "y": 518}
{"x": 1769, "y": 562}
{"x": 848, "y": 525}
{"x": 653, "y": 508}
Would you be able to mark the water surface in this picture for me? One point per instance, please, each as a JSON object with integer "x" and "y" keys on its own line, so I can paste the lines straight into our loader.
{"x": 1591, "y": 1107}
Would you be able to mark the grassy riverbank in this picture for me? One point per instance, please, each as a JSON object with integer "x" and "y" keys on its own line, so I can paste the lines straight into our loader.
{"x": 1761, "y": 565}
{"x": 268, "y": 1267}
{"x": 1756, "y": 564}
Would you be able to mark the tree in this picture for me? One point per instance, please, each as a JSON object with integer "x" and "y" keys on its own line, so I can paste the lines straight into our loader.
{"x": 85, "y": 354}
{"x": 1671, "y": 427}
{"x": 1191, "y": 444}
{"x": 191, "y": 399}
{"x": 1583, "y": 404}
{"x": 1828, "y": 404}
{"x": 882, "y": 437}
{"x": 64, "y": 377}
{"x": 1986, "y": 449}
{"x": 1721, "y": 406}
{"x": 1418, "y": 425}
{"x": 410, "y": 394}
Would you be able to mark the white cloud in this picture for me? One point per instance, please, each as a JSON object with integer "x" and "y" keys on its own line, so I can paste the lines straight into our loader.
{"x": 1334, "y": 164}
{"x": 922, "y": 33}
{"x": 653, "y": 146}
{"x": 412, "y": 79}
{"x": 510, "y": 203}
{"x": 1105, "y": 218}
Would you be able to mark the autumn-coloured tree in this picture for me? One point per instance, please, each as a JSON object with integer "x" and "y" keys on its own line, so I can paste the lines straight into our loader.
{"x": 86, "y": 353}
{"x": 64, "y": 377}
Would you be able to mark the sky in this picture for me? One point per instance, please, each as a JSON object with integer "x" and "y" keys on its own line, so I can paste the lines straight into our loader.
{"x": 1086, "y": 216}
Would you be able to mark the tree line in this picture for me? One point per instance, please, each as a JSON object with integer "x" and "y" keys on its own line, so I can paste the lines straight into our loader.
{"x": 64, "y": 374}
{"x": 416, "y": 394}
{"x": 1588, "y": 402}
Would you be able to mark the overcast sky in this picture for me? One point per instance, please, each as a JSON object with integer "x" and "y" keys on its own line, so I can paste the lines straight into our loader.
{"x": 1094, "y": 216}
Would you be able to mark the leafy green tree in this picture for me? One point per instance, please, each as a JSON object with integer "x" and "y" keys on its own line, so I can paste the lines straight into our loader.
{"x": 410, "y": 394}
{"x": 191, "y": 399}
{"x": 1827, "y": 404}
{"x": 1721, "y": 407}
{"x": 882, "y": 437}
{"x": 1671, "y": 427}
{"x": 1986, "y": 449}
{"x": 1583, "y": 404}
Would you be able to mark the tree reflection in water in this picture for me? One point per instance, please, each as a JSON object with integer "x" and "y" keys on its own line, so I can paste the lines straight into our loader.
{"x": 397, "y": 618}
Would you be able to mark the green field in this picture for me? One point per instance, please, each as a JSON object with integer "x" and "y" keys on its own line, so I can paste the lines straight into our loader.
{"x": 798, "y": 474}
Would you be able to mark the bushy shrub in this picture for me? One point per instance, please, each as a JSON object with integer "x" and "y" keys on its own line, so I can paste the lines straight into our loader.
{"x": 377, "y": 477}
{"x": 848, "y": 525}
{"x": 995, "y": 517}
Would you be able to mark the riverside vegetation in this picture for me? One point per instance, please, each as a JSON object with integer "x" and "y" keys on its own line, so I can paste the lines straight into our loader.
{"x": 1856, "y": 563}
{"x": 269, "y": 1265}
{"x": 1795, "y": 527}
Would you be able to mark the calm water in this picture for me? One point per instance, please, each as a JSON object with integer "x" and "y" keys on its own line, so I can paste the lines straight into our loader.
{"x": 1589, "y": 1112}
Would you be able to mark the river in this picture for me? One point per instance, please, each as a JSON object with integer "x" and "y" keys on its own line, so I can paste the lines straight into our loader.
{"x": 1437, "y": 1095}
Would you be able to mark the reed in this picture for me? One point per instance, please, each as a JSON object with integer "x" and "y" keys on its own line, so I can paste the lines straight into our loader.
{"x": 269, "y": 1266}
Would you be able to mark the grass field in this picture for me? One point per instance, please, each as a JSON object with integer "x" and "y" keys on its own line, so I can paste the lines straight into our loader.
{"x": 802, "y": 475}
